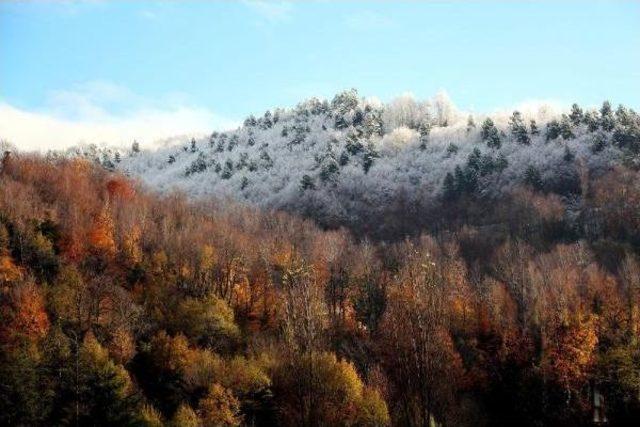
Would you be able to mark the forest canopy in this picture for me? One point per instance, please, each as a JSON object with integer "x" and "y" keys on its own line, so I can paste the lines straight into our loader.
{"x": 123, "y": 306}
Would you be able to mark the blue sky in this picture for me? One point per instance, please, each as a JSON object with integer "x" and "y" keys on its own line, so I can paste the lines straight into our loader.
{"x": 193, "y": 66}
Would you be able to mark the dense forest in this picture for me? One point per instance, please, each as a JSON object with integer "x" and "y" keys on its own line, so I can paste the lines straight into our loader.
{"x": 341, "y": 263}
{"x": 122, "y": 306}
{"x": 385, "y": 169}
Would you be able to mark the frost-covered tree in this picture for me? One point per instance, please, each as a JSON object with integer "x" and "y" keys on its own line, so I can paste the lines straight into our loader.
{"x": 471, "y": 124}
{"x": 424, "y": 129}
{"x": 212, "y": 139}
{"x": 354, "y": 146}
{"x": 444, "y": 109}
{"x": 533, "y": 178}
{"x": 490, "y": 134}
{"x": 267, "y": 120}
{"x": 250, "y": 121}
{"x": 553, "y": 130}
{"x": 598, "y": 142}
{"x": 591, "y": 120}
{"x": 343, "y": 106}
{"x": 244, "y": 183}
{"x": 369, "y": 157}
{"x": 329, "y": 168}
{"x": 198, "y": 165}
{"x": 267, "y": 162}
{"x": 534, "y": 127}
{"x": 565, "y": 128}
{"x": 452, "y": 149}
{"x": 306, "y": 183}
{"x": 227, "y": 171}
{"x": 607, "y": 121}
{"x": 449, "y": 187}
{"x": 106, "y": 162}
{"x": 243, "y": 161}
{"x": 233, "y": 142}
{"x": 501, "y": 163}
{"x": 373, "y": 124}
{"x": 577, "y": 115}
{"x": 404, "y": 111}
{"x": 222, "y": 140}
{"x": 518, "y": 128}
{"x": 344, "y": 158}
{"x": 626, "y": 134}
{"x": 382, "y": 156}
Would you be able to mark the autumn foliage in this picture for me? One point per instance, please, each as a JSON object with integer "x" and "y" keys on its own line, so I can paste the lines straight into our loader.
{"x": 123, "y": 307}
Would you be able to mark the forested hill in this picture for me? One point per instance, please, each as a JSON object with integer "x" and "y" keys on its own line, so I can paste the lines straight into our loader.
{"x": 120, "y": 306}
{"x": 352, "y": 159}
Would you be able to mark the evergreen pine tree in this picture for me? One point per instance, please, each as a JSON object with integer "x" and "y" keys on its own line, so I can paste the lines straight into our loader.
{"x": 576, "y": 116}
{"x": 518, "y": 129}
{"x": 344, "y": 158}
{"x": 591, "y": 120}
{"x": 490, "y": 134}
{"x": 607, "y": 121}
{"x": 501, "y": 163}
{"x": 424, "y": 129}
{"x": 534, "y": 127}
{"x": 244, "y": 183}
{"x": 553, "y": 130}
{"x": 307, "y": 183}
{"x": 599, "y": 142}
{"x": 449, "y": 187}
{"x": 533, "y": 178}
{"x": 565, "y": 128}
{"x": 227, "y": 172}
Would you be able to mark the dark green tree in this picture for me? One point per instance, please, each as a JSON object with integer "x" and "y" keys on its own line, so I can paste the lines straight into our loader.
{"x": 533, "y": 178}
{"x": 534, "y": 127}
{"x": 577, "y": 115}
{"x": 607, "y": 121}
{"x": 553, "y": 130}
{"x": 424, "y": 129}
{"x": 449, "y": 192}
{"x": 306, "y": 183}
{"x": 518, "y": 128}
{"x": 227, "y": 171}
{"x": 490, "y": 134}
{"x": 565, "y": 128}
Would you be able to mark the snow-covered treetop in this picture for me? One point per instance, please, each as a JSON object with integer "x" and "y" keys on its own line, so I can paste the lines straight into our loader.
{"x": 336, "y": 159}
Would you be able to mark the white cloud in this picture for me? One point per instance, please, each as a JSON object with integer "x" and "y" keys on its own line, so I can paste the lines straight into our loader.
{"x": 104, "y": 113}
{"x": 272, "y": 11}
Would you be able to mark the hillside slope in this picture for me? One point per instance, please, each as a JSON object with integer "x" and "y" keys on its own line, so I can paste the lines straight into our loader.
{"x": 352, "y": 158}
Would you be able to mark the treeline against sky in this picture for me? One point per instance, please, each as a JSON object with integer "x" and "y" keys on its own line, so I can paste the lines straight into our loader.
{"x": 357, "y": 162}
{"x": 123, "y": 307}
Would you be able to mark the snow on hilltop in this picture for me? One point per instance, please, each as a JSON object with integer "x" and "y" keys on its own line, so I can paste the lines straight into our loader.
{"x": 351, "y": 156}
